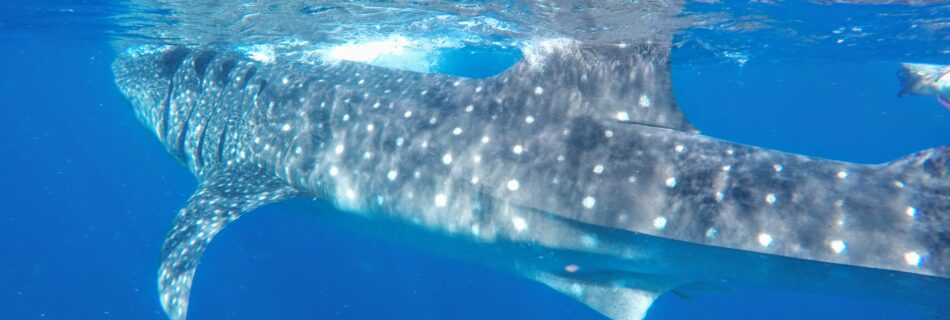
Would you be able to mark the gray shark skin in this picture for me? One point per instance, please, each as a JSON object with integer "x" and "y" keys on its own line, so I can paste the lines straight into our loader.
{"x": 574, "y": 168}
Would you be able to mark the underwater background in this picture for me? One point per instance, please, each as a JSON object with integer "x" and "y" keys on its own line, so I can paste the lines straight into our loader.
{"x": 87, "y": 194}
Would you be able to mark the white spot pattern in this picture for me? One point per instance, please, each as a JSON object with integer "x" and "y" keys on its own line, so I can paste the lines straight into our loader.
{"x": 837, "y": 246}
{"x": 441, "y": 200}
{"x": 912, "y": 258}
{"x": 513, "y": 185}
{"x": 765, "y": 239}
{"x": 589, "y": 202}
{"x": 910, "y": 212}
{"x": 519, "y": 224}
{"x": 598, "y": 169}
{"x": 644, "y": 101}
{"x": 623, "y": 116}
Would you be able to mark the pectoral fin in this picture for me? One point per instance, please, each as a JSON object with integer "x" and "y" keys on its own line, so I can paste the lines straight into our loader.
{"x": 220, "y": 199}
{"x": 625, "y": 297}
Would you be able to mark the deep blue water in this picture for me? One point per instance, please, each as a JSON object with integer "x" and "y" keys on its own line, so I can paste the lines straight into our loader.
{"x": 87, "y": 195}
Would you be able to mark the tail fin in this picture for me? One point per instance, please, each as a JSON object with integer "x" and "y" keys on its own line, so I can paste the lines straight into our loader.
{"x": 925, "y": 177}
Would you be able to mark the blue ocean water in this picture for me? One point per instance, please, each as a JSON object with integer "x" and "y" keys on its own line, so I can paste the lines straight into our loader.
{"x": 87, "y": 195}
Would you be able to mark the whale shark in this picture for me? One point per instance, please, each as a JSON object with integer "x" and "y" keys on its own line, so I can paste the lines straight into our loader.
{"x": 574, "y": 167}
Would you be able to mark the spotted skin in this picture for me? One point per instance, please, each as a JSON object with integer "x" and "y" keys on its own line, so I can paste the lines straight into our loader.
{"x": 221, "y": 199}
{"x": 584, "y": 152}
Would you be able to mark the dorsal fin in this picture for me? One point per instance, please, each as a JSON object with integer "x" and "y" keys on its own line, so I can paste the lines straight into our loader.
{"x": 620, "y": 82}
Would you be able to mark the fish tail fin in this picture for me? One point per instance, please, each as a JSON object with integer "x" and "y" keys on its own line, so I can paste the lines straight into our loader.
{"x": 220, "y": 199}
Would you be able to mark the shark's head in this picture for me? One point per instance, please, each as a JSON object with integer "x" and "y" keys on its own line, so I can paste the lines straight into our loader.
{"x": 175, "y": 105}
{"x": 149, "y": 103}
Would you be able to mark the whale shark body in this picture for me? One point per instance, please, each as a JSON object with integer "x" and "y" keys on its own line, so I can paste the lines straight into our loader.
{"x": 574, "y": 168}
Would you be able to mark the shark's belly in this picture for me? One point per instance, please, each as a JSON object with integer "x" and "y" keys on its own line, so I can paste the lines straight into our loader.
{"x": 539, "y": 245}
